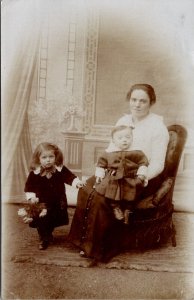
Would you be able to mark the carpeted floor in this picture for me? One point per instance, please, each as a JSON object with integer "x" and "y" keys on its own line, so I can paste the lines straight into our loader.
{"x": 167, "y": 259}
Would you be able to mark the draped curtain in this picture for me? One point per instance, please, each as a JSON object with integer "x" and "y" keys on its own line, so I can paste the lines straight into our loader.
{"x": 21, "y": 25}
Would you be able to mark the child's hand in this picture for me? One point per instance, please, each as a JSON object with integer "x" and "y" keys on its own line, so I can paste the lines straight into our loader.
{"x": 98, "y": 179}
{"x": 27, "y": 220}
{"x": 80, "y": 184}
{"x": 113, "y": 173}
{"x": 43, "y": 213}
{"x": 34, "y": 200}
{"x": 22, "y": 212}
{"x": 139, "y": 180}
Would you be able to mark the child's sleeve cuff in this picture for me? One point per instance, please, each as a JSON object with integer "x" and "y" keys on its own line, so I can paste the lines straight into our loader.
{"x": 100, "y": 172}
{"x": 75, "y": 182}
{"x": 143, "y": 170}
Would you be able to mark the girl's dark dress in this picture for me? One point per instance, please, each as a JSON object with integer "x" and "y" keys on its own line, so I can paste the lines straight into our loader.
{"x": 50, "y": 191}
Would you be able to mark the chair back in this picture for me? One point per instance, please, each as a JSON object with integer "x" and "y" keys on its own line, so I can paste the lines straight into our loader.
{"x": 153, "y": 224}
{"x": 160, "y": 189}
{"x": 178, "y": 135}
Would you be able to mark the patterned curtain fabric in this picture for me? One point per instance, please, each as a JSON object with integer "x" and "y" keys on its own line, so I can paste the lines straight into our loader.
{"x": 20, "y": 38}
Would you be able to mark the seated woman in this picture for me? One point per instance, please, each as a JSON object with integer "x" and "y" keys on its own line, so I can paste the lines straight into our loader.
{"x": 95, "y": 230}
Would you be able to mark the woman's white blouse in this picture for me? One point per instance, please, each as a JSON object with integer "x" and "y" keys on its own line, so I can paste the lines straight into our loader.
{"x": 151, "y": 136}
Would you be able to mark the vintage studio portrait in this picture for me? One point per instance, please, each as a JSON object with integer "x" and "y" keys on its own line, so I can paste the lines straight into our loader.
{"x": 97, "y": 159}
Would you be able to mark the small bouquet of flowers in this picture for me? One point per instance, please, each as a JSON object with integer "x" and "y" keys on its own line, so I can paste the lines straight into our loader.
{"x": 32, "y": 211}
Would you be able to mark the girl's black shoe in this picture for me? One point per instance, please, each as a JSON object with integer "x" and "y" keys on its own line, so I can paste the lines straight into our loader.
{"x": 43, "y": 245}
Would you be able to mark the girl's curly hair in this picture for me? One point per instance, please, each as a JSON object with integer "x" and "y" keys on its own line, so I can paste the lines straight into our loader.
{"x": 45, "y": 147}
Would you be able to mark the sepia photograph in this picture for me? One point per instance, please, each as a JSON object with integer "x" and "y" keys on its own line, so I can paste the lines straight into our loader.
{"x": 97, "y": 149}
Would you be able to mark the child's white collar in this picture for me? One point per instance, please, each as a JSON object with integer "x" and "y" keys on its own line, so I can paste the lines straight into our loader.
{"x": 38, "y": 169}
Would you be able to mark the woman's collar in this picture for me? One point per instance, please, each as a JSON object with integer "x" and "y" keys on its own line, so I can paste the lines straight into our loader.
{"x": 135, "y": 120}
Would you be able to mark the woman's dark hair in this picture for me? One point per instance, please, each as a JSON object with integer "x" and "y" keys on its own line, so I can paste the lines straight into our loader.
{"x": 145, "y": 87}
{"x": 45, "y": 147}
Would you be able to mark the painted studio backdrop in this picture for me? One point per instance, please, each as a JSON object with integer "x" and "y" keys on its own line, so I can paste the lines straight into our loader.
{"x": 67, "y": 67}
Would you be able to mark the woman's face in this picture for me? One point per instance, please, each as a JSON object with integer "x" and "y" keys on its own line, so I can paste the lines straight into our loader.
{"x": 139, "y": 104}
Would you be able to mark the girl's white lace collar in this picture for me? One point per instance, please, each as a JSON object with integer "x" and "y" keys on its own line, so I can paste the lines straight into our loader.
{"x": 38, "y": 169}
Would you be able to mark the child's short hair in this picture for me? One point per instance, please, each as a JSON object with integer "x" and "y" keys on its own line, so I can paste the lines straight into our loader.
{"x": 44, "y": 147}
{"x": 119, "y": 128}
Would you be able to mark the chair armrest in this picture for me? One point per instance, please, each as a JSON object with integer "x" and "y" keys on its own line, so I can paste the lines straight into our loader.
{"x": 163, "y": 190}
{"x": 154, "y": 199}
{"x": 146, "y": 203}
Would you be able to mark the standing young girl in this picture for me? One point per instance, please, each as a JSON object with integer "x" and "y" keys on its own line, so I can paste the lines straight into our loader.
{"x": 45, "y": 184}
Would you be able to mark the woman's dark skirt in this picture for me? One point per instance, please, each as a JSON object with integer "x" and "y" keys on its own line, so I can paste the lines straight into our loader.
{"x": 95, "y": 230}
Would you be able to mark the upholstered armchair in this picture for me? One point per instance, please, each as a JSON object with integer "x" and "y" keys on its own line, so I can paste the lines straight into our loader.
{"x": 152, "y": 223}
